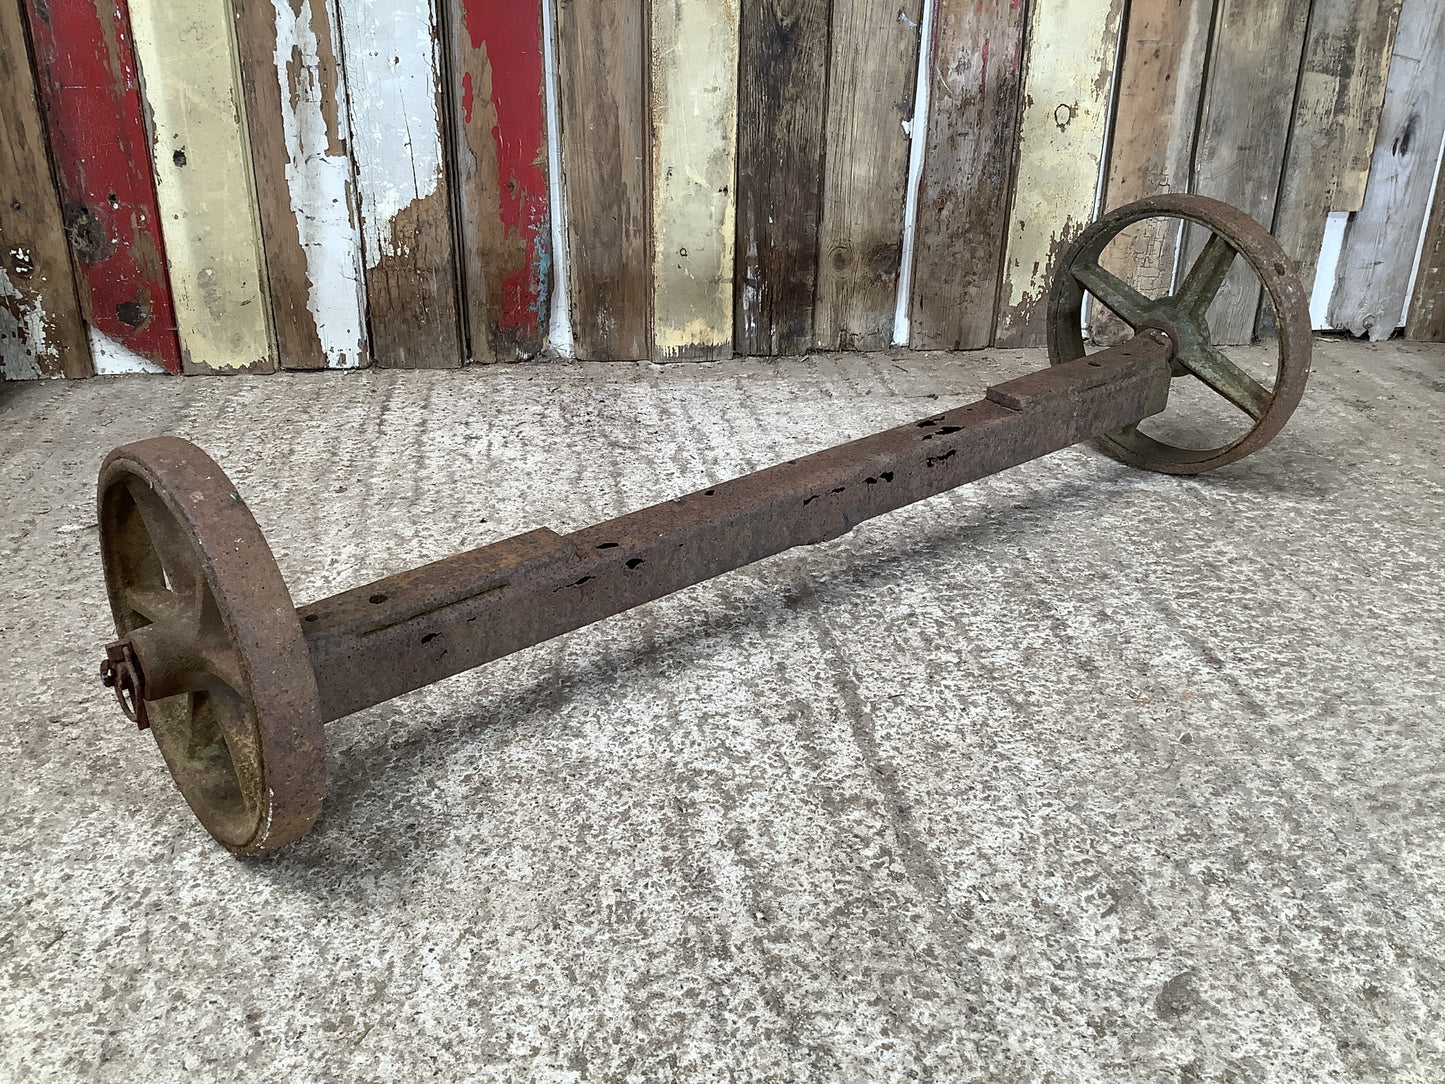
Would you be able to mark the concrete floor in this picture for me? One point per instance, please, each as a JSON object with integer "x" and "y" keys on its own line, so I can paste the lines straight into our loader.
{"x": 1077, "y": 774}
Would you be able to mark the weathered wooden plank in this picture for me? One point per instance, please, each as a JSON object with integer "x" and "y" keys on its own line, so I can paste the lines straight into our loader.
{"x": 90, "y": 92}
{"x": 872, "y": 76}
{"x": 298, "y": 128}
{"x": 694, "y": 57}
{"x": 782, "y": 95}
{"x": 1336, "y": 118}
{"x": 204, "y": 185}
{"x": 1072, "y": 50}
{"x": 605, "y": 136}
{"x": 1426, "y": 322}
{"x": 1161, "y": 76}
{"x": 499, "y": 144}
{"x": 968, "y": 166}
{"x": 41, "y": 331}
{"x": 1249, "y": 100}
{"x": 1381, "y": 240}
{"x": 390, "y": 54}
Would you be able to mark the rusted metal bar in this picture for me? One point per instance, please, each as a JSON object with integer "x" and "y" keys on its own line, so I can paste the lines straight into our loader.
{"x": 417, "y": 627}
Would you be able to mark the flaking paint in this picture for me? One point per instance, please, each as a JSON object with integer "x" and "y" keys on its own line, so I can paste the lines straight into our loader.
{"x": 319, "y": 179}
{"x": 1070, "y": 63}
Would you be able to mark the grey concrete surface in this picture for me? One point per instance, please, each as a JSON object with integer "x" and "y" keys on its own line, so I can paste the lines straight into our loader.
{"x": 1077, "y": 774}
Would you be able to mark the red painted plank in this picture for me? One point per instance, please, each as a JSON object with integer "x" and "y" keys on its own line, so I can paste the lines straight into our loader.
{"x": 506, "y": 224}
{"x": 90, "y": 90}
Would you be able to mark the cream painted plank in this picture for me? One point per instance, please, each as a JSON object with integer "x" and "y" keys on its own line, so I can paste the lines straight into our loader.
{"x": 694, "y": 154}
{"x": 187, "y": 58}
{"x": 1068, "y": 73}
{"x": 1382, "y": 240}
{"x": 296, "y": 109}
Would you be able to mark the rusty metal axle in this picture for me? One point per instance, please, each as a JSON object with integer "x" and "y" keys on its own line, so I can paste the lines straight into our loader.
{"x": 236, "y": 683}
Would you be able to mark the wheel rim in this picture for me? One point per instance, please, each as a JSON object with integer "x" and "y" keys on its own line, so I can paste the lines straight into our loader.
{"x": 229, "y": 692}
{"x": 1233, "y": 235}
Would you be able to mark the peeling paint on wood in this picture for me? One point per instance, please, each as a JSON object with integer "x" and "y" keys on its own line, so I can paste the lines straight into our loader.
{"x": 963, "y": 202}
{"x": 41, "y": 332}
{"x": 393, "y": 84}
{"x": 782, "y": 86}
{"x": 299, "y": 133}
{"x": 1239, "y": 158}
{"x": 694, "y": 155}
{"x": 91, "y": 95}
{"x": 1381, "y": 241}
{"x": 114, "y": 358}
{"x": 1068, "y": 74}
{"x": 1336, "y": 119}
{"x": 871, "y": 81}
{"x": 605, "y": 133}
{"x": 498, "y": 120}
{"x": 204, "y": 188}
{"x": 1161, "y": 77}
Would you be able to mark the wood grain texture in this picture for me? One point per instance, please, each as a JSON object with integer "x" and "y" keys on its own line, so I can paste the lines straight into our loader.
{"x": 1426, "y": 322}
{"x": 1381, "y": 239}
{"x": 90, "y": 93}
{"x": 968, "y": 167}
{"x": 1073, "y": 45}
{"x": 392, "y": 64}
{"x": 204, "y": 187}
{"x": 1161, "y": 77}
{"x": 298, "y": 129}
{"x": 41, "y": 331}
{"x": 1249, "y": 101}
{"x": 872, "y": 76}
{"x": 1336, "y": 119}
{"x": 694, "y": 54}
{"x": 499, "y": 147}
{"x": 605, "y": 154}
{"x": 782, "y": 95}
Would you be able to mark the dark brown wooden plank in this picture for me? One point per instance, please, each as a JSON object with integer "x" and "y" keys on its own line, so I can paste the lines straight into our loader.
{"x": 1427, "y": 310}
{"x": 1249, "y": 102}
{"x": 305, "y": 191}
{"x": 968, "y": 166}
{"x": 782, "y": 87}
{"x": 1336, "y": 118}
{"x": 871, "y": 79}
{"x": 41, "y": 331}
{"x": 1166, "y": 45}
{"x": 601, "y": 47}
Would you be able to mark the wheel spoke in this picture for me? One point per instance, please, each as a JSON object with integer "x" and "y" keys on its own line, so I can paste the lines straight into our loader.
{"x": 1210, "y": 365}
{"x": 169, "y": 541}
{"x": 1122, "y": 299}
{"x": 1206, "y": 277}
{"x": 156, "y": 604}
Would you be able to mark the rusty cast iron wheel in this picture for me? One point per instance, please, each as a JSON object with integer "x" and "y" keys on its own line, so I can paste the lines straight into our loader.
{"x": 225, "y": 681}
{"x": 1183, "y": 315}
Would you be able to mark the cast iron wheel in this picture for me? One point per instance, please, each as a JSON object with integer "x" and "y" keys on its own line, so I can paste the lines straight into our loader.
{"x": 1183, "y": 315}
{"x": 224, "y": 678}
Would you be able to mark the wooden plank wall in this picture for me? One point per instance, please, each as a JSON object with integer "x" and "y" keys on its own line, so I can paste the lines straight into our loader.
{"x": 335, "y": 183}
